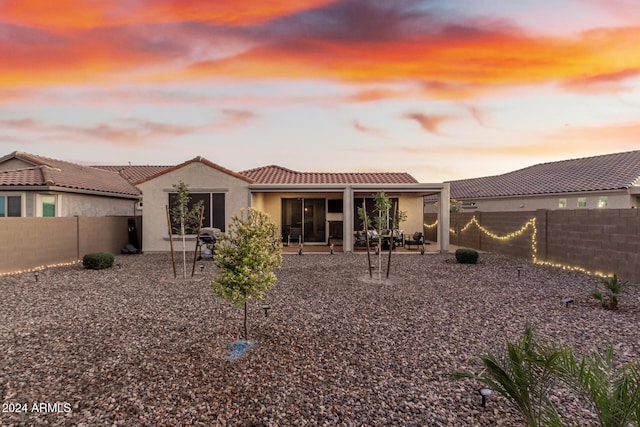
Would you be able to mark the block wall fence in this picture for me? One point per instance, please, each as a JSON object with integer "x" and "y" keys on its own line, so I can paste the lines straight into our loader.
{"x": 29, "y": 243}
{"x": 597, "y": 240}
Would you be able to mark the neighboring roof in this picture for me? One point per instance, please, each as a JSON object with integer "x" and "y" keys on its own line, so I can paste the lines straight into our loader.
{"x": 617, "y": 171}
{"x": 136, "y": 173}
{"x": 198, "y": 159}
{"x": 278, "y": 175}
{"x": 57, "y": 173}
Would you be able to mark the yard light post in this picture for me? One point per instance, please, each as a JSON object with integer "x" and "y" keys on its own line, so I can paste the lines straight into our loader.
{"x": 484, "y": 392}
{"x": 36, "y": 274}
{"x": 519, "y": 268}
{"x": 201, "y": 268}
{"x": 266, "y": 308}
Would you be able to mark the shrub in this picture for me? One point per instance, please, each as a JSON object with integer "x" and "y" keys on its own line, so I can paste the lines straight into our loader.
{"x": 97, "y": 260}
{"x": 466, "y": 256}
{"x": 613, "y": 291}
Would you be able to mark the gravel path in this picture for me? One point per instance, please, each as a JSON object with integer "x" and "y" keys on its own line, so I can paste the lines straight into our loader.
{"x": 132, "y": 346}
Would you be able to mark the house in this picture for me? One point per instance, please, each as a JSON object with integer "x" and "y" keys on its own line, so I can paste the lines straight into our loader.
{"x": 310, "y": 207}
{"x": 606, "y": 181}
{"x": 36, "y": 186}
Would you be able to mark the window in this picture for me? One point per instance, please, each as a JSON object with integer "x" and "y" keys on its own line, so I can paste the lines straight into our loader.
{"x": 214, "y": 212}
{"x": 562, "y": 203}
{"x": 603, "y": 201}
{"x": 10, "y": 206}
{"x": 48, "y": 205}
{"x": 582, "y": 202}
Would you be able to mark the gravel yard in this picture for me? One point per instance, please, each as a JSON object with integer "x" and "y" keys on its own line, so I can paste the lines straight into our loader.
{"x": 132, "y": 346}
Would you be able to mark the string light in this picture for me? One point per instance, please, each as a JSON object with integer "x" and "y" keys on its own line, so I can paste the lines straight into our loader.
{"x": 531, "y": 223}
{"x": 430, "y": 226}
{"x": 39, "y": 268}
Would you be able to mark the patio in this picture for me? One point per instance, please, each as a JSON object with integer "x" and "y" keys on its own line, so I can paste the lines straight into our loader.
{"x": 132, "y": 346}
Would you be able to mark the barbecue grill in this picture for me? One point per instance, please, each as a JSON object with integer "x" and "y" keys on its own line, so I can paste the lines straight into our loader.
{"x": 208, "y": 238}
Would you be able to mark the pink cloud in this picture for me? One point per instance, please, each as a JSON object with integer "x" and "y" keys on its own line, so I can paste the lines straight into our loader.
{"x": 429, "y": 122}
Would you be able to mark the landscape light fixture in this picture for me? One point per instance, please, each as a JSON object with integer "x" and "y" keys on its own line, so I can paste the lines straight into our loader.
{"x": 36, "y": 274}
{"x": 519, "y": 268}
{"x": 266, "y": 308}
{"x": 201, "y": 268}
{"x": 567, "y": 301}
{"x": 484, "y": 392}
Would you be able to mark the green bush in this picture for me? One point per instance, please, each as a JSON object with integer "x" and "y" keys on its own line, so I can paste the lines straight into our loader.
{"x": 466, "y": 256}
{"x": 97, "y": 260}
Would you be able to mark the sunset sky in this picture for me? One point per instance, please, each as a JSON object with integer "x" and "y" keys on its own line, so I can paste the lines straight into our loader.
{"x": 443, "y": 90}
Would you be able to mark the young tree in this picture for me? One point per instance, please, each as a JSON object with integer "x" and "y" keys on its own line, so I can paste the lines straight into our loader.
{"x": 188, "y": 219}
{"x": 246, "y": 255}
{"x": 383, "y": 219}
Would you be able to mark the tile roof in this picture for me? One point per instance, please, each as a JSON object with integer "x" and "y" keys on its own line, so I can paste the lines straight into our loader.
{"x": 278, "y": 175}
{"x": 51, "y": 172}
{"x": 606, "y": 172}
{"x": 139, "y": 174}
{"x": 133, "y": 173}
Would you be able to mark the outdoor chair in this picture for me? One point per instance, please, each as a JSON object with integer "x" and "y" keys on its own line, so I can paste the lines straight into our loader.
{"x": 417, "y": 240}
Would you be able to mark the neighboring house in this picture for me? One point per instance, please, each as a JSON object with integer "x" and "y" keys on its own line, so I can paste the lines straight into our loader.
{"x": 36, "y": 186}
{"x": 606, "y": 181}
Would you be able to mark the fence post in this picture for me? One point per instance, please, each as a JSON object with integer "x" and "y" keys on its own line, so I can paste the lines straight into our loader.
{"x": 479, "y": 214}
{"x": 542, "y": 228}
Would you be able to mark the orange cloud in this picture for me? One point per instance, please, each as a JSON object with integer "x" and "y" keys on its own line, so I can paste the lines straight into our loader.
{"x": 366, "y": 129}
{"x": 430, "y": 123}
{"x": 124, "y": 132}
{"x": 76, "y": 41}
{"x": 69, "y": 15}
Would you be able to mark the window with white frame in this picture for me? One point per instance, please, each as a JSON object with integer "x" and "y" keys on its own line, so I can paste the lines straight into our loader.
{"x": 582, "y": 202}
{"x": 603, "y": 201}
{"x": 562, "y": 203}
{"x": 10, "y": 206}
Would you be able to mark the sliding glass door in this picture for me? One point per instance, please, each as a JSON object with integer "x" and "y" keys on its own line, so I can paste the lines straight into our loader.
{"x": 304, "y": 220}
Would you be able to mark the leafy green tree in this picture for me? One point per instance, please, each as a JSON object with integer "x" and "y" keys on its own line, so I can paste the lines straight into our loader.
{"x": 246, "y": 256}
{"x": 187, "y": 219}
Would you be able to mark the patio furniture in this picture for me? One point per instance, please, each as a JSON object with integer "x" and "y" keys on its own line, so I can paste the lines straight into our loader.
{"x": 416, "y": 240}
{"x": 295, "y": 236}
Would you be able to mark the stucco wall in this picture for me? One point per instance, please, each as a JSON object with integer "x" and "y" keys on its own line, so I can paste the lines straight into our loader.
{"x": 13, "y": 164}
{"x": 89, "y": 205}
{"x": 616, "y": 200}
{"x": 200, "y": 178}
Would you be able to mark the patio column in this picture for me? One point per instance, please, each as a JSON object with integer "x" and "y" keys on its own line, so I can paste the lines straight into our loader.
{"x": 347, "y": 219}
{"x": 443, "y": 218}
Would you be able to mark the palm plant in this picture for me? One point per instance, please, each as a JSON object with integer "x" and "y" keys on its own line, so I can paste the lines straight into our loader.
{"x": 613, "y": 393}
{"x": 613, "y": 290}
{"x": 524, "y": 374}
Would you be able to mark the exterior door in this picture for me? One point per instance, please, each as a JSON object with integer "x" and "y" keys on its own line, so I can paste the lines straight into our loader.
{"x": 315, "y": 219}
{"x": 304, "y": 220}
